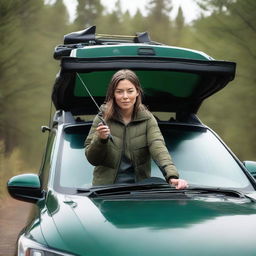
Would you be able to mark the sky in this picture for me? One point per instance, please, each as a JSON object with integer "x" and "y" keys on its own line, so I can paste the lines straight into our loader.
{"x": 189, "y": 7}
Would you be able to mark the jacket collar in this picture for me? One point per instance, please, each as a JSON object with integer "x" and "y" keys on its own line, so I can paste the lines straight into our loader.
{"x": 141, "y": 115}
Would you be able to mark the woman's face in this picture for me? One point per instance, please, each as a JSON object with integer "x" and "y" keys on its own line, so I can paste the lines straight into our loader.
{"x": 125, "y": 95}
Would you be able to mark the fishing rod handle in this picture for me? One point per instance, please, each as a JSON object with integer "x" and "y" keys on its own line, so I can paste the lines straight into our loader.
{"x": 104, "y": 123}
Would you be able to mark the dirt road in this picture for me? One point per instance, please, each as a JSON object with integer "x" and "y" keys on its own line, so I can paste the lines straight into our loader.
{"x": 13, "y": 216}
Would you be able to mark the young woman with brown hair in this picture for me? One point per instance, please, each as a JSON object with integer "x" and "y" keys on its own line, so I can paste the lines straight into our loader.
{"x": 125, "y": 155}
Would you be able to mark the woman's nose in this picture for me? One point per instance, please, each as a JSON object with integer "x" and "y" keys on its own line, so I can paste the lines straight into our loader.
{"x": 125, "y": 95}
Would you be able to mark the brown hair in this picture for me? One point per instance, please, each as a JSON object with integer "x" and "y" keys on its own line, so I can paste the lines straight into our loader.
{"x": 112, "y": 110}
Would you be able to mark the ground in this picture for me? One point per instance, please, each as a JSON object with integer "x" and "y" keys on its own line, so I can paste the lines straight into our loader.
{"x": 13, "y": 216}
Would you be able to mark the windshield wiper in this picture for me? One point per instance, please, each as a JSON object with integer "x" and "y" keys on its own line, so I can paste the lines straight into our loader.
{"x": 225, "y": 191}
{"x": 159, "y": 188}
{"x": 122, "y": 189}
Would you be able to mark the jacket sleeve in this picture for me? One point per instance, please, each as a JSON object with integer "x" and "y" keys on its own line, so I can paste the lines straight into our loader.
{"x": 159, "y": 151}
{"x": 95, "y": 148}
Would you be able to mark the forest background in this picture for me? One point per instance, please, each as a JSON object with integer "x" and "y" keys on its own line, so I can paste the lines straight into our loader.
{"x": 29, "y": 31}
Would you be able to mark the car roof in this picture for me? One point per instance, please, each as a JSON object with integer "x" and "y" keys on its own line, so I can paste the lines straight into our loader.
{"x": 173, "y": 79}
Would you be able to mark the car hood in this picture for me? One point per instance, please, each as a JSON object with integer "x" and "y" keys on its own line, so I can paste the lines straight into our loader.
{"x": 202, "y": 226}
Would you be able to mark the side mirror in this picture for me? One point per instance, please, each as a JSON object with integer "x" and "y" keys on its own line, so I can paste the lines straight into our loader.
{"x": 25, "y": 187}
{"x": 251, "y": 167}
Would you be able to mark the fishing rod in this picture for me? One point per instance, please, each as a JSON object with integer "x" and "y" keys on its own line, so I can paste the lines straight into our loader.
{"x": 95, "y": 103}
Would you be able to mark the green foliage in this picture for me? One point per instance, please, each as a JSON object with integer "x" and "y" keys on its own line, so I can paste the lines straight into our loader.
{"x": 27, "y": 73}
{"x": 87, "y": 13}
{"x": 179, "y": 27}
{"x": 215, "y": 6}
{"x": 230, "y": 33}
{"x": 158, "y": 21}
{"x": 11, "y": 165}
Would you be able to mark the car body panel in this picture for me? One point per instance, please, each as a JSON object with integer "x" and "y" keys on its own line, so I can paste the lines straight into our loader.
{"x": 129, "y": 50}
{"x": 150, "y": 227}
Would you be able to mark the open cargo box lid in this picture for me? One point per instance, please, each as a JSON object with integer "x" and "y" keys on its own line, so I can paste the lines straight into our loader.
{"x": 173, "y": 79}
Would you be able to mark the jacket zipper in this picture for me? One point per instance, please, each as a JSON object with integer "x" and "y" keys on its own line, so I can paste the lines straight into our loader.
{"x": 124, "y": 134}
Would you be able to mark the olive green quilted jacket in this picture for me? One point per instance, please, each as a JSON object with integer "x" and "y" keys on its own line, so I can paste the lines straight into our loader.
{"x": 141, "y": 139}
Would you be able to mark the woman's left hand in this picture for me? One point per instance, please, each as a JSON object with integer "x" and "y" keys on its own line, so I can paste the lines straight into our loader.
{"x": 178, "y": 183}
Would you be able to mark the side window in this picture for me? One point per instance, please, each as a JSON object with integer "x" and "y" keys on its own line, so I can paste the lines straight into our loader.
{"x": 47, "y": 160}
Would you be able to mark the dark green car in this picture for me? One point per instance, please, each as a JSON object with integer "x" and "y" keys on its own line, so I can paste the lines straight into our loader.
{"x": 216, "y": 215}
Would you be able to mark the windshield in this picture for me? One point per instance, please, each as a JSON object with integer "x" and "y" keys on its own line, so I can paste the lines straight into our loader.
{"x": 199, "y": 156}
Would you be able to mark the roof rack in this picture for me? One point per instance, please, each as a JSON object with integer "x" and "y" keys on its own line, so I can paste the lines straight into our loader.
{"x": 88, "y": 37}
{"x": 89, "y": 34}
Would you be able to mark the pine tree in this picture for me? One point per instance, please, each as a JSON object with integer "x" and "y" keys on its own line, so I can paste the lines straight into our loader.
{"x": 215, "y": 6}
{"x": 10, "y": 47}
{"x": 158, "y": 21}
{"x": 229, "y": 33}
{"x": 27, "y": 71}
{"x": 87, "y": 13}
{"x": 179, "y": 26}
{"x": 138, "y": 23}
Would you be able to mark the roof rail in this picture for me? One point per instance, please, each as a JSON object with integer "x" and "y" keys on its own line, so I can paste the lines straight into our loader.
{"x": 63, "y": 117}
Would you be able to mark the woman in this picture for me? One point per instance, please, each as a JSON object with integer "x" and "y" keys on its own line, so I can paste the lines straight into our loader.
{"x": 121, "y": 149}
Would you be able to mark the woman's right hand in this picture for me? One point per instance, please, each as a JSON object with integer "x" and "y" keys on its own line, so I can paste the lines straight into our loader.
{"x": 179, "y": 183}
{"x": 103, "y": 131}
